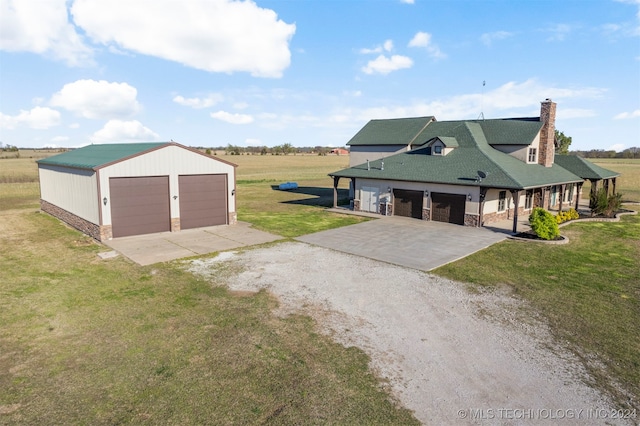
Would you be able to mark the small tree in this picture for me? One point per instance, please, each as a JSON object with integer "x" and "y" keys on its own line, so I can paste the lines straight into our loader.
{"x": 563, "y": 143}
{"x": 544, "y": 224}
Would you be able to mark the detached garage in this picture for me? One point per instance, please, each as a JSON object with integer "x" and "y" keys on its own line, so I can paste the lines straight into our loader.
{"x": 117, "y": 190}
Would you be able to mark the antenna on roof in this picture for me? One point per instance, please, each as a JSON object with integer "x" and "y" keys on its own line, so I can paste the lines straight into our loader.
{"x": 481, "y": 116}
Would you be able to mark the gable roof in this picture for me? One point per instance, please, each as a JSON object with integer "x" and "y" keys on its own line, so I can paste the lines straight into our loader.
{"x": 461, "y": 166}
{"x": 584, "y": 168}
{"x": 94, "y": 156}
{"x": 397, "y": 131}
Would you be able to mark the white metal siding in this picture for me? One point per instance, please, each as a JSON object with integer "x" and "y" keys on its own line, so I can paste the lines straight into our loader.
{"x": 360, "y": 154}
{"x": 173, "y": 161}
{"x": 74, "y": 190}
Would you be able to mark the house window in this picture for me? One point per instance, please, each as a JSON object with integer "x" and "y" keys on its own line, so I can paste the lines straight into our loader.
{"x": 437, "y": 149}
{"x": 528, "y": 199}
{"x": 502, "y": 198}
{"x": 532, "y": 155}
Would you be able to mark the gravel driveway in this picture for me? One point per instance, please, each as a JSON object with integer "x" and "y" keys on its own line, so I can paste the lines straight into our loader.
{"x": 452, "y": 356}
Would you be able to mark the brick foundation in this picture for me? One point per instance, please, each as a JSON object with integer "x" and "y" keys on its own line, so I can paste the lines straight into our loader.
{"x": 82, "y": 225}
{"x": 426, "y": 214}
{"x": 175, "y": 224}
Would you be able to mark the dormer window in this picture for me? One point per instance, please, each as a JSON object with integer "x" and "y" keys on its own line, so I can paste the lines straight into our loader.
{"x": 533, "y": 155}
{"x": 442, "y": 145}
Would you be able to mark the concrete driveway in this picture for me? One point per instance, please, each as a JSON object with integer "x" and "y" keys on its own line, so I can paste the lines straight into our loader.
{"x": 407, "y": 242}
{"x": 165, "y": 246}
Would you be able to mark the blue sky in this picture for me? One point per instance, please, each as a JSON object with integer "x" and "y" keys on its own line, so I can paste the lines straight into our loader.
{"x": 217, "y": 72}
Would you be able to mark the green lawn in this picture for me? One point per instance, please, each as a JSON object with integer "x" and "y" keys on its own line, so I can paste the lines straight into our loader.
{"x": 588, "y": 291}
{"x": 86, "y": 341}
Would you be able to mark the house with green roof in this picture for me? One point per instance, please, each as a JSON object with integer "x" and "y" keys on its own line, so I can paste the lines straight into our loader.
{"x": 122, "y": 189}
{"x": 467, "y": 172}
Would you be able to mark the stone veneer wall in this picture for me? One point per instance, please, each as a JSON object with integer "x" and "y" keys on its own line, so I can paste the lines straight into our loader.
{"x": 76, "y": 222}
{"x": 233, "y": 218}
{"x": 471, "y": 220}
{"x": 426, "y": 214}
{"x": 505, "y": 215}
{"x": 175, "y": 224}
{"x": 356, "y": 205}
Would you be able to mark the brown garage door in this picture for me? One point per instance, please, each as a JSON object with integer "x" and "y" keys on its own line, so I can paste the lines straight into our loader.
{"x": 447, "y": 208}
{"x": 203, "y": 200}
{"x": 139, "y": 205}
{"x": 407, "y": 203}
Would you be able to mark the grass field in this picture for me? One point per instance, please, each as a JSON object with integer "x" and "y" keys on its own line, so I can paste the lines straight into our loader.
{"x": 629, "y": 181}
{"x": 85, "y": 341}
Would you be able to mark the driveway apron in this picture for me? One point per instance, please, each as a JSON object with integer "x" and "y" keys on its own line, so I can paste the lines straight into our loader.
{"x": 165, "y": 246}
{"x": 417, "y": 244}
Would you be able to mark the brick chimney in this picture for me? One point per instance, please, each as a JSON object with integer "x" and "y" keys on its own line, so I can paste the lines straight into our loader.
{"x": 547, "y": 146}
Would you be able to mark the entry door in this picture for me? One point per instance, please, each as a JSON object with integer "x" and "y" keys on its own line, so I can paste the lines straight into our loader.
{"x": 139, "y": 205}
{"x": 369, "y": 199}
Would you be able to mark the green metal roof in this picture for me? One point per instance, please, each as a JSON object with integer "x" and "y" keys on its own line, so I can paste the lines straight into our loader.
{"x": 461, "y": 166}
{"x": 497, "y": 132}
{"x": 584, "y": 168}
{"x": 94, "y": 156}
{"x": 397, "y": 131}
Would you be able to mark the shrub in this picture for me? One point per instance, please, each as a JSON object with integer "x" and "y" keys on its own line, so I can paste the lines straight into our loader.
{"x": 570, "y": 214}
{"x": 543, "y": 224}
{"x": 573, "y": 214}
{"x": 601, "y": 204}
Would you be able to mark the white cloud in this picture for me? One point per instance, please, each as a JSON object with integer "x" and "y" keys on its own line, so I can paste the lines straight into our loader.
{"x": 512, "y": 99}
{"x": 199, "y": 103}
{"x": 41, "y": 27}
{"x": 98, "y": 99}
{"x": 214, "y": 35}
{"x": 489, "y": 38}
{"x": 232, "y": 118}
{"x": 423, "y": 40}
{"x": 558, "y": 32}
{"x": 626, "y": 115}
{"x": 124, "y": 131}
{"x": 35, "y": 118}
{"x": 407, "y": 1}
{"x": 618, "y": 147}
{"x": 385, "y": 65}
{"x": 58, "y": 139}
{"x": 387, "y": 46}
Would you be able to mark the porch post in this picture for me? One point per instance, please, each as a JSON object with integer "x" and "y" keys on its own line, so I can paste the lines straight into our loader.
{"x": 483, "y": 194}
{"x": 562, "y": 189}
{"x": 594, "y": 188}
{"x": 516, "y": 201}
{"x": 613, "y": 180}
{"x": 578, "y": 194}
{"x": 336, "y": 180}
